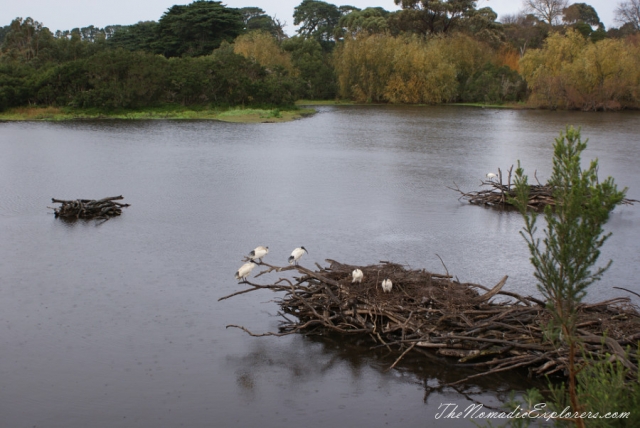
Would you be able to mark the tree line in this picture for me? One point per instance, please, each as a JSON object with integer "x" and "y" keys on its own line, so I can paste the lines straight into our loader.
{"x": 551, "y": 54}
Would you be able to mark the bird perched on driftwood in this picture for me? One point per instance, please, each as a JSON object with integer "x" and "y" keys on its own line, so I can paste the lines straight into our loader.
{"x": 296, "y": 254}
{"x": 491, "y": 176}
{"x": 259, "y": 253}
{"x": 386, "y": 285}
{"x": 244, "y": 271}
{"x": 357, "y": 275}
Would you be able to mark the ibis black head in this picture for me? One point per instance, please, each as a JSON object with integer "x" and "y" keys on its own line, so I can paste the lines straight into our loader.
{"x": 305, "y": 250}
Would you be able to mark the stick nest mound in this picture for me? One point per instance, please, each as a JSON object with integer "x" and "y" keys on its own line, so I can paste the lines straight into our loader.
{"x": 498, "y": 194}
{"x": 429, "y": 312}
{"x": 102, "y": 209}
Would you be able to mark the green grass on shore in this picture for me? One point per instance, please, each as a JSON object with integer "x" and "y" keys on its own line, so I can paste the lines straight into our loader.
{"x": 236, "y": 114}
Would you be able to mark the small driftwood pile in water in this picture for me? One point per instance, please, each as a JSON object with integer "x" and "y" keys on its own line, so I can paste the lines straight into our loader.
{"x": 498, "y": 194}
{"x": 428, "y": 312}
{"x": 102, "y": 209}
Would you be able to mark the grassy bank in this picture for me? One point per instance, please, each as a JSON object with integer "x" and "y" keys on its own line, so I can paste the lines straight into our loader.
{"x": 240, "y": 115}
{"x": 481, "y": 105}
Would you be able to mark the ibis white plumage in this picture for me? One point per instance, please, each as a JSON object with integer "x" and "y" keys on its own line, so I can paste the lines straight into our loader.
{"x": 244, "y": 271}
{"x": 296, "y": 254}
{"x": 259, "y": 253}
{"x": 386, "y": 285}
{"x": 491, "y": 176}
{"x": 357, "y": 275}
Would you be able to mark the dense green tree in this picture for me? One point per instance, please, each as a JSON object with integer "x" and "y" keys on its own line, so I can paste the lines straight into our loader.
{"x": 584, "y": 18}
{"x": 493, "y": 85}
{"x": 197, "y": 29}
{"x": 313, "y": 65}
{"x": 3, "y": 32}
{"x": 317, "y": 20}
{"x": 137, "y": 37}
{"x": 25, "y": 40}
{"x": 255, "y": 19}
{"x": 432, "y": 16}
{"x": 371, "y": 20}
{"x": 15, "y": 89}
{"x": 481, "y": 24}
{"x": 581, "y": 12}
{"x": 525, "y": 32}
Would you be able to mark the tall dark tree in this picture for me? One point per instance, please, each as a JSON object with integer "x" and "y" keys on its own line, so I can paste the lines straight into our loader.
{"x": 432, "y": 16}
{"x": 371, "y": 20}
{"x": 197, "y": 29}
{"x": 583, "y": 18}
{"x": 314, "y": 67}
{"x": 26, "y": 40}
{"x": 525, "y": 31}
{"x": 581, "y": 12}
{"x": 3, "y": 32}
{"x": 255, "y": 18}
{"x": 137, "y": 37}
{"x": 317, "y": 20}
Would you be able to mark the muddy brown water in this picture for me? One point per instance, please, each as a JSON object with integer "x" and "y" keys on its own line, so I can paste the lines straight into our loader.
{"x": 118, "y": 325}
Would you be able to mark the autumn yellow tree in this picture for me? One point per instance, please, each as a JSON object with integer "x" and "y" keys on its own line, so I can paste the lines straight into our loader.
{"x": 363, "y": 66}
{"x": 571, "y": 72}
{"x": 422, "y": 73}
{"x": 263, "y": 48}
{"x": 407, "y": 69}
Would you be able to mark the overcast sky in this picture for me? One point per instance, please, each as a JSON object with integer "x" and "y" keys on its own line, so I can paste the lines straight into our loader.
{"x": 68, "y": 14}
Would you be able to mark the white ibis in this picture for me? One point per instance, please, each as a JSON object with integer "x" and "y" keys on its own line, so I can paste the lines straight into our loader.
{"x": 244, "y": 271}
{"x": 386, "y": 285}
{"x": 296, "y": 254}
{"x": 491, "y": 176}
{"x": 259, "y": 253}
{"x": 357, "y": 275}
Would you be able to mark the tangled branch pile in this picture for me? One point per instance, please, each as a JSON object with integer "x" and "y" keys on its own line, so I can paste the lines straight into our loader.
{"x": 499, "y": 194}
{"x": 102, "y": 209}
{"x": 429, "y": 312}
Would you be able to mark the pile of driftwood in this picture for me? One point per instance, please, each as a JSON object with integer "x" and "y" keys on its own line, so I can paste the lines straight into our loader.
{"x": 428, "y": 312}
{"x": 102, "y": 209}
{"x": 499, "y": 194}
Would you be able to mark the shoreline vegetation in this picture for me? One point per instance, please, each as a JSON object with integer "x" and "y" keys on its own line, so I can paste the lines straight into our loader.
{"x": 206, "y": 55}
{"x": 302, "y": 109}
{"x": 234, "y": 114}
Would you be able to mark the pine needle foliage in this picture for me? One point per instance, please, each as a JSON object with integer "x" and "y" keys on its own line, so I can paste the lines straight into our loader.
{"x": 564, "y": 265}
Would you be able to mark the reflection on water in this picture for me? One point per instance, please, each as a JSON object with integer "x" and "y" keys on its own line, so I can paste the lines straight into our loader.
{"x": 118, "y": 324}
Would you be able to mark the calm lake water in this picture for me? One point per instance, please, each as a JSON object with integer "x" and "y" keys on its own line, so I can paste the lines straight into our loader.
{"x": 119, "y": 324}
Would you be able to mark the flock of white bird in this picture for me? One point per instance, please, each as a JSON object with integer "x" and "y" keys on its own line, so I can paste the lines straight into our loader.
{"x": 259, "y": 252}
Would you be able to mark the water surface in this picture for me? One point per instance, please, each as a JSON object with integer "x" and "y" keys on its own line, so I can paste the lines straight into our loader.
{"x": 118, "y": 324}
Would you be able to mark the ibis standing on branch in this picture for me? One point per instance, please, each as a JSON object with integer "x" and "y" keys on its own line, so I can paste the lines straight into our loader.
{"x": 244, "y": 271}
{"x": 491, "y": 176}
{"x": 296, "y": 254}
{"x": 386, "y": 285}
{"x": 259, "y": 253}
{"x": 357, "y": 275}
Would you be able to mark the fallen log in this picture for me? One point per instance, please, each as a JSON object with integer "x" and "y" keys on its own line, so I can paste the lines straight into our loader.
{"x": 428, "y": 312}
{"x": 102, "y": 209}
